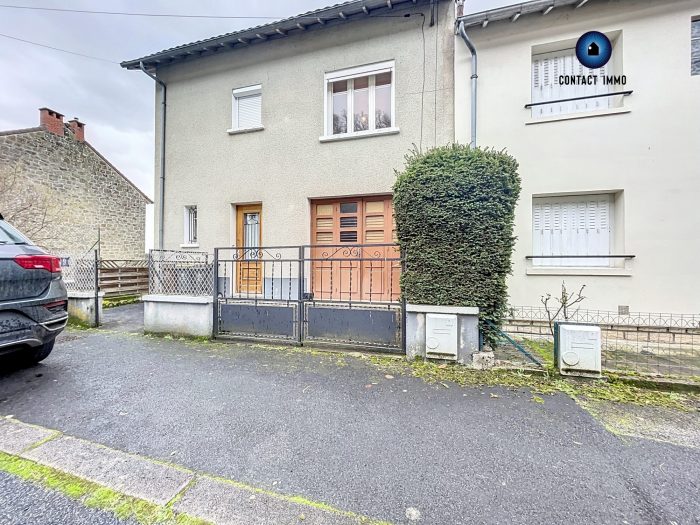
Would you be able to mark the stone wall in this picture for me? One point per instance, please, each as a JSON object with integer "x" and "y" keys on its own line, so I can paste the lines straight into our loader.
{"x": 86, "y": 193}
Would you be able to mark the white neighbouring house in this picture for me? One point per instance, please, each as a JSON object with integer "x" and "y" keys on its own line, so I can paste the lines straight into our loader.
{"x": 614, "y": 173}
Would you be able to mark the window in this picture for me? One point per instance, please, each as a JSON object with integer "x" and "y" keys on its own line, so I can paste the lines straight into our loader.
{"x": 360, "y": 101}
{"x": 190, "y": 225}
{"x": 572, "y": 225}
{"x": 247, "y": 108}
{"x": 695, "y": 47}
{"x": 547, "y": 68}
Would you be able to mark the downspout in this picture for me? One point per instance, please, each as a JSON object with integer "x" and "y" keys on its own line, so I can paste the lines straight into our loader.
{"x": 472, "y": 50}
{"x": 161, "y": 214}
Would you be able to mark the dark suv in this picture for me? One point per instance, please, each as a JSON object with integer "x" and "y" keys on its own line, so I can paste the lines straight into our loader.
{"x": 33, "y": 299}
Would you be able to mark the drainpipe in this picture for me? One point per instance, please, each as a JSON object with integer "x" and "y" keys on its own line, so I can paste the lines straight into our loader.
{"x": 161, "y": 214}
{"x": 472, "y": 50}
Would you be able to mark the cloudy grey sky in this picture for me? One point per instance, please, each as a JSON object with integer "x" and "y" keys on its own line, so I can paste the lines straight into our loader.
{"x": 116, "y": 105}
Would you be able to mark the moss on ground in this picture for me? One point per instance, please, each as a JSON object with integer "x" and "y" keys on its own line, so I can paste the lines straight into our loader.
{"x": 75, "y": 323}
{"x": 609, "y": 388}
{"x": 93, "y": 495}
{"x": 112, "y": 302}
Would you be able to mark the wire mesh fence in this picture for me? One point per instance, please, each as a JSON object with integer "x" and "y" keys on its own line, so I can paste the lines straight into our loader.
{"x": 647, "y": 343}
{"x": 173, "y": 272}
{"x": 79, "y": 272}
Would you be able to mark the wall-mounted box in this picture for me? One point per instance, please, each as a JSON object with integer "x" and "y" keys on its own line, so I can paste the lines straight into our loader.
{"x": 442, "y": 332}
{"x": 441, "y": 336}
{"x": 578, "y": 349}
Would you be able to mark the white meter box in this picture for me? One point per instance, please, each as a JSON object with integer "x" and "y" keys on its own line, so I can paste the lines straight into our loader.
{"x": 441, "y": 336}
{"x": 579, "y": 349}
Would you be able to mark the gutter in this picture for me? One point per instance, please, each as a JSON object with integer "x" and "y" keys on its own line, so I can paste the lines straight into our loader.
{"x": 463, "y": 33}
{"x": 161, "y": 214}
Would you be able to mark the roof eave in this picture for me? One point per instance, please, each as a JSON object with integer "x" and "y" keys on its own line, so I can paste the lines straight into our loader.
{"x": 513, "y": 13}
{"x": 321, "y": 18}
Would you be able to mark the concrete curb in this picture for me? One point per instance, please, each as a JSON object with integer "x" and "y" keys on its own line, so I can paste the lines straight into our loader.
{"x": 198, "y": 495}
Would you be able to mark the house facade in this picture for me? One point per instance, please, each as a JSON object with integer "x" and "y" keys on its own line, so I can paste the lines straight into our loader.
{"x": 610, "y": 180}
{"x": 290, "y": 133}
{"x": 74, "y": 199}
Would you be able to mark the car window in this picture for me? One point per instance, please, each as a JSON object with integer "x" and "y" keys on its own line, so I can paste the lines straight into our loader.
{"x": 9, "y": 235}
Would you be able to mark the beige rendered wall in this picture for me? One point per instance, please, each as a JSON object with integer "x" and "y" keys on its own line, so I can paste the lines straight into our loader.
{"x": 651, "y": 153}
{"x": 285, "y": 165}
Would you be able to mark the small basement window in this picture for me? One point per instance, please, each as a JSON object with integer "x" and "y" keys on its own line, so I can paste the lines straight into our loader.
{"x": 190, "y": 225}
{"x": 695, "y": 47}
{"x": 247, "y": 108}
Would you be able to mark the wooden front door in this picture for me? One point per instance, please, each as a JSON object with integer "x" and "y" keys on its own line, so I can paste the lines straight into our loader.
{"x": 346, "y": 266}
{"x": 249, "y": 268}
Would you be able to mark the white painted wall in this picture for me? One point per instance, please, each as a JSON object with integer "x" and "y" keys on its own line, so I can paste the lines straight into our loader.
{"x": 651, "y": 153}
{"x": 285, "y": 165}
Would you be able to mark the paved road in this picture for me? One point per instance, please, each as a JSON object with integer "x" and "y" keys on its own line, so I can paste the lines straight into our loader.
{"x": 337, "y": 430}
{"x": 23, "y": 503}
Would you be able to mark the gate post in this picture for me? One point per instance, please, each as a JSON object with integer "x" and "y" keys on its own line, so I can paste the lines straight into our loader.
{"x": 97, "y": 289}
{"x": 215, "y": 298}
{"x": 300, "y": 298}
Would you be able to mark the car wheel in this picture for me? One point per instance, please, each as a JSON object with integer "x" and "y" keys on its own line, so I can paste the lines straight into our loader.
{"x": 34, "y": 355}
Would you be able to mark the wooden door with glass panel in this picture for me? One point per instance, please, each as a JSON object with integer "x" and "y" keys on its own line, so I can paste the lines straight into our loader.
{"x": 346, "y": 266}
{"x": 249, "y": 268}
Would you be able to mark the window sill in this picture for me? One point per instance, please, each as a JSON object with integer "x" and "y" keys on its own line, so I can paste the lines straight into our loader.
{"x": 244, "y": 130}
{"x": 359, "y": 135}
{"x": 568, "y": 270}
{"x": 189, "y": 245}
{"x": 574, "y": 116}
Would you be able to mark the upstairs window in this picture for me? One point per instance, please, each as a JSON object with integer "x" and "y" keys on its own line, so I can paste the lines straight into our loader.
{"x": 695, "y": 47}
{"x": 557, "y": 76}
{"x": 247, "y": 108}
{"x": 360, "y": 101}
{"x": 190, "y": 225}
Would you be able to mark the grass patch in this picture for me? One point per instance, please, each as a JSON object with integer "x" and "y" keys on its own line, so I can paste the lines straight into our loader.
{"x": 609, "y": 388}
{"x": 112, "y": 302}
{"x": 542, "y": 349}
{"x": 75, "y": 323}
{"x": 93, "y": 495}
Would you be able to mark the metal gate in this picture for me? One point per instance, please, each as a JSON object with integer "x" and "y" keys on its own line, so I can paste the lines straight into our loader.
{"x": 327, "y": 294}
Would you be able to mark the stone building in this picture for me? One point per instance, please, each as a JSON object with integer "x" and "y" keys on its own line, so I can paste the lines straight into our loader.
{"x": 86, "y": 201}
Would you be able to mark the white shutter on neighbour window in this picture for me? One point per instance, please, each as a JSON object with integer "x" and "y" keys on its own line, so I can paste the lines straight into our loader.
{"x": 546, "y": 70}
{"x": 249, "y": 111}
{"x": 574, "y": 225}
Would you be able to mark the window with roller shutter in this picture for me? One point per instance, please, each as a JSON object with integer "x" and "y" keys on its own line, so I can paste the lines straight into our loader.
{"x": 247, "y": 108}
{"x": 546, "y": 70}
{"x": 572, "y": 225}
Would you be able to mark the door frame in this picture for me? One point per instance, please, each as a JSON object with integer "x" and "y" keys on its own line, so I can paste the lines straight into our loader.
{"x": 241, "y": 210}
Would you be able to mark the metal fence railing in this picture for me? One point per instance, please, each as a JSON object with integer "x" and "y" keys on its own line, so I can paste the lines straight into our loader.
{"x": 646, "y": 343}
{"x": 173, "y": 272}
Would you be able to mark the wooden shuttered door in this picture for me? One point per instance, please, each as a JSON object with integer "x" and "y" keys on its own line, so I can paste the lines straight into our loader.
{"x": 347, "y": 267}
{"x": 573, "y": 225}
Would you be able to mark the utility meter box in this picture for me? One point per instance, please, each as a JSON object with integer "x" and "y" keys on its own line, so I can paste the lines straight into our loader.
{"x": 441, "y": 336}
{"x": 579, "y": 350}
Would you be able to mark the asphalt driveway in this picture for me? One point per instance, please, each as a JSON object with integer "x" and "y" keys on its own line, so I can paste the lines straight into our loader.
{"x": 336, "y": 429}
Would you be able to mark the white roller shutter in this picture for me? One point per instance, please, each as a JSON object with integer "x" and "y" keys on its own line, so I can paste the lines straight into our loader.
{"x": 572, "y": 225}
{"x": 546, "y": 70}
{"x": 249, "y": 111}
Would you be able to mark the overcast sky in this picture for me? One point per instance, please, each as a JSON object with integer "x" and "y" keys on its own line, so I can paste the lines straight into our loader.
{"x": 116, "y": 105}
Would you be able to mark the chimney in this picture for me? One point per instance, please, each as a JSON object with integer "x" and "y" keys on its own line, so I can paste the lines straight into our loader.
{"x": 78, "y": 129}
{"x": 51, "y": 121}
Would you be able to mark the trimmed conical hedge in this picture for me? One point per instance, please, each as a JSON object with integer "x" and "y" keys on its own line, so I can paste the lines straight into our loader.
{"x": 454, "y": 208}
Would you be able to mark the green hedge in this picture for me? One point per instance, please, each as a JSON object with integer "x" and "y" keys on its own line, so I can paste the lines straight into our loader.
{"x": 454, "y": 209}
